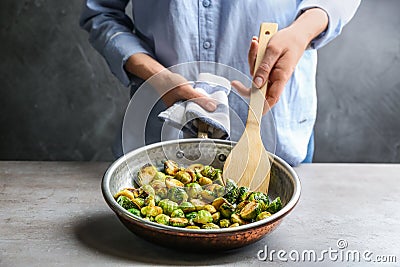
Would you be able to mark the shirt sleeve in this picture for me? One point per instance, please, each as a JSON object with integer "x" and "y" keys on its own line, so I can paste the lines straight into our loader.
{"x": 339, "y": 13}
{"x": 111, "y": 34}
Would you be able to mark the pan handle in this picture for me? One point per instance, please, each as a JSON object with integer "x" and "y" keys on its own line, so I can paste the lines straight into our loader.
{"x": 202, "y": 129}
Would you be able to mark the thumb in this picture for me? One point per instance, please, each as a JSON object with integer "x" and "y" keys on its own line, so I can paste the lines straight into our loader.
{"x": 264, "y": 69}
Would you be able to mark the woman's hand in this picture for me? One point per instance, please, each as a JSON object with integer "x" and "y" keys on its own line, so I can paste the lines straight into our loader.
{"x": 283, "y": 52}
{"x": 171, "y": 86}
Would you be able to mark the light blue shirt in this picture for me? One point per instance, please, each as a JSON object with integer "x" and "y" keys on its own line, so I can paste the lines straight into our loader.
{"x": 178, "y": 31}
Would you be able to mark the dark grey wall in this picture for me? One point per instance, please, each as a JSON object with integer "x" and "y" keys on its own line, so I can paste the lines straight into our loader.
{"x": 58, "y": 100}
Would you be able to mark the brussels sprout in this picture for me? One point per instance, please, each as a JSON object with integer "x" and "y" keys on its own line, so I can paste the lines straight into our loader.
{"x": 178, "y": 222}
{"x": 171, "y": 167}
{"x": 210, "y": 208}
{"x": 183, "y": 176}
{"x": 203, "y": 217}
{"x": 126, "y": 193}
{"x": 148, "y": 189}
{"x": 139, "y": 202}
{"x": 168, "y": 206}
{"x": 191, "y": 215}
{"x": 217, "y": 174}
{"x": 162, "y": 219}
{"x": 193, "y": 190}
{"x": 224, "y": 223}
{"x": 275, "y": 205}
{"x": 198, "y": 203}
{"x": 192, "y": 227}
{"x": 240, "y": 206}
{"x": 187, "y": 207}
{"x": 243, "y": 193}
{"x": 161, "y": 192}
{"x": 146, "y": 174}
{"x": 157, "y": 184}
{"x": 178, "y": 213}
{"x": 258, "y": 196}
{"x": 207, "y": 195}
{"x": 235, "y": 218}
{"x": 231, "y": 190}
{"x": 159, "y": 176}
{"x": 192, "y": 175}
{"x": 216, "y": 216}
{"x": 136, "y": 191}
{"x": 204, "y": 181}
{"x": 177, "y": 194}
{"x": 207, "y": 171}
{"x": 218, "y": 190}
{"x": 135, "y": 212}
{"x": 234, "y": 225}
{"x": 219, "y": 181}
{"x": 151, "y": 211}
{"x": 263, "y": 215}
{"x": 250, "y": 211}
{"x": 150, "y": 201}
{"x": 210, "y": 226}
{"x": 125, "y": 202}
{"x": 226, "y": 210}
{"x": 171, "y": 182}
{"x": 218, "y": 202}
{"x": 196, "y": 167}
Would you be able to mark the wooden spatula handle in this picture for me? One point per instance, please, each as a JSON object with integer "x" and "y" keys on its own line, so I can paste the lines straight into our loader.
{"x": 257, "y": 97}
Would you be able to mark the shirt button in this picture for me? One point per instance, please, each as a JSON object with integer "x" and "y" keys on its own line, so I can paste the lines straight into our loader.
{"x": 206, "y": 3}
{"x": 206, "y": 44}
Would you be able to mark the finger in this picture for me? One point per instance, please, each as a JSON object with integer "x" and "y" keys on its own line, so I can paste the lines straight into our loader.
{"x": 261, "y": 75}
{"x": 252, "y": 55}
{"x": 189, "y": 93}
{"x": 273, "y": 94}
{"x": 241, "y": 88}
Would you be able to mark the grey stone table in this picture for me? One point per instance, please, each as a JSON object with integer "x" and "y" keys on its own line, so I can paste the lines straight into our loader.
{"x": 53, "y": 213}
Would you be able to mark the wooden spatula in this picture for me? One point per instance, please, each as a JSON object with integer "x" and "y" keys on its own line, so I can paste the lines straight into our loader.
{"x": 248, "y": 163}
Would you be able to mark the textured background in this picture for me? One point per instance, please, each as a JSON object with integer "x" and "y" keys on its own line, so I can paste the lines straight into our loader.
{"x": 58, "y": 100}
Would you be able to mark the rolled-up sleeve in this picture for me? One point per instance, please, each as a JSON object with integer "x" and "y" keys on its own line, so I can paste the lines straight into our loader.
{"x": 339, "y": 13}
{"x": 111, "y": 34}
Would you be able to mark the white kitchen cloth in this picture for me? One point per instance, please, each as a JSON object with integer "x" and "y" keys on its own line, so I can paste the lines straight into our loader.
{"x": 183, "y": 115}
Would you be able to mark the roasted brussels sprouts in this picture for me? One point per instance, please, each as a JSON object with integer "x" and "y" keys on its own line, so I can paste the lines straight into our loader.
{"x": 250, "y": 211}
{"x": 162, "y": 219}
{"x": 243, "y": 193}
{"x": 207, "y": 171}
{"x": 178, "y": 222}
{"x": 187, "y": 207}
{"x": 224, "y": 223}
{"x": 192, "y": 227}
{"x": 135, "y": 212}
{"x": 171, "y": 167}
{"x": 168, "y": 206}
{"x": 171, "y": 182}
{"x": 275, "y": 205}
{"x": 210, "y": 226}
{"x": 263, "y": 215}
{"x": 146, "y": 174}
{"x": 235, "y": 218}
{"x": 178, "y": 213}
{"x": 193, "y": 190}
{"x": 226, "y": 210}
{"x": 210, "y": 208}
{"x": 203, "y": 217}
{"x": 183, "y": 176}
{"x": 181, "y": 197}
{"x": 125, "y": 202}
{"x": 177, "y": 194}
{"x": 207, "y": 195}
{"x": 204, "y": 181}
{"x": 151, "y": 211}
